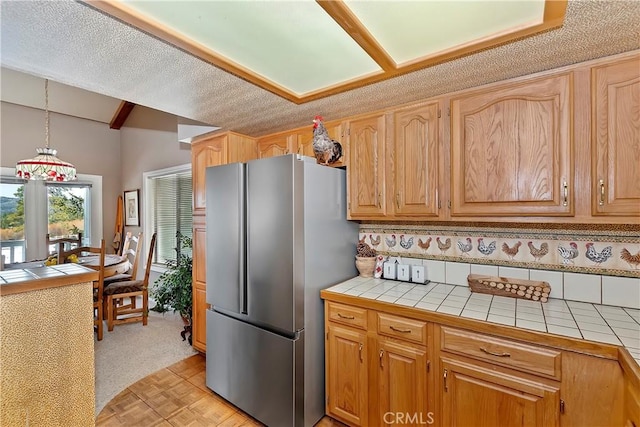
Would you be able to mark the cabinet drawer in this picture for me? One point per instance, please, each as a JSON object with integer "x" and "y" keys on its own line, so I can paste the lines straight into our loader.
{"x": 502, "y": 352}
{"x": 347, "y": 315}
{"x": 402, "y": 328}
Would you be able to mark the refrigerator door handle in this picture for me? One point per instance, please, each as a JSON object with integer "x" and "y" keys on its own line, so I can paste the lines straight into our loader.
{"x": 244, "y": 242}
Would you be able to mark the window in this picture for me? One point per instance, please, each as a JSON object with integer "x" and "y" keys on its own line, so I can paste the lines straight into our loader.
{"x": 31, "y": 209}
{"x": 68, "y": 211}
{"x": 168, "y": 194}
{"x": 12, "y": 220}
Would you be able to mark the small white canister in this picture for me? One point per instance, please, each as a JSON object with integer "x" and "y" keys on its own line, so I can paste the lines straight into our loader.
{"x": 390, "y": 270}
{"x": 404, "y": 272}
{"x": 418, "y": 274}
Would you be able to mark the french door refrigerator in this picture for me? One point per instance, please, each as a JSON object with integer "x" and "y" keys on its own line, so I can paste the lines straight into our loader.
{"x": 276, "y": 235}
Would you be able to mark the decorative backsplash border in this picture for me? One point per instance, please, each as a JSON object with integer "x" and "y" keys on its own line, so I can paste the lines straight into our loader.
{"x": 608, "y": 252}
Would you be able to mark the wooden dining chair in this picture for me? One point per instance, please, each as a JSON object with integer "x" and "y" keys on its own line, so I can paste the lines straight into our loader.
{"x": 64, "y": 243}
{"x": 117, "y": 311}
{"x": 130, "y": 249}
{"x": 98, "y": 286}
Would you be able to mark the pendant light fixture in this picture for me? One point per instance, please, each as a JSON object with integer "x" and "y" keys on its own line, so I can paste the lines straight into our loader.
{"x": 46, "y": 166}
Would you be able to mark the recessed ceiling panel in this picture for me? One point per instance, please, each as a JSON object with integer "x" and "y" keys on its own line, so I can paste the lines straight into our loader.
{"x": 410, "y": 30}
{"x": 294, "y": 44}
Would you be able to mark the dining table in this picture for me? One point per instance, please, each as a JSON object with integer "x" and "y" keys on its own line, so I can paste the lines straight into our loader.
{"x": 113, "y": 263}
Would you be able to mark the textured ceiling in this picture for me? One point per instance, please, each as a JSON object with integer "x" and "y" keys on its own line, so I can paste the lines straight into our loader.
{"x": 72, "y": 43}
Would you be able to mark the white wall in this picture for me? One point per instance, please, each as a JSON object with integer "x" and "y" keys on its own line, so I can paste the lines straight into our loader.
{"x": 91, "y": 146}
{"x": 149, "y": 142}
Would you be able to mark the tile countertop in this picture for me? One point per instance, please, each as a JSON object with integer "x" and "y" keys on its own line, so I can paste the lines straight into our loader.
{"x": 19, "y": 280}
{"x": 601, "y": 323}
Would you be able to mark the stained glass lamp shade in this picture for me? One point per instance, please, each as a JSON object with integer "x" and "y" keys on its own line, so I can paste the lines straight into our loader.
{"x": 46, "y": 165}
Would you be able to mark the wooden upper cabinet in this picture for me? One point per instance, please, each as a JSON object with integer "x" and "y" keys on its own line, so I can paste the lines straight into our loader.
{"x": 366, "y": 168}
{"x": 217, "y": 150}
{"x": 205, "y": 153}
{"x": 416, "y": 161}
{"x": 242, "y": 148}
{"x": 276, "y": 145}
{"x": 512, "y": 149}
{"x": 615, "y": 134}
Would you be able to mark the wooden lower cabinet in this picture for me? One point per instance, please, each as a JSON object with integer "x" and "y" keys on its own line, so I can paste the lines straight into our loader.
{"x": 389, "y": 368}
{"x": 346, "y": 375}
{"x": 199, "y": 320}
{"x": 402, "y": 384}
{"x": 474, "y": 395}
{"x": 631, "y": 405}
{"x": 371, "y": 379}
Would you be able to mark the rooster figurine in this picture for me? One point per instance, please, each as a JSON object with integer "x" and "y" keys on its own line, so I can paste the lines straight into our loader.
{"x": 326, "y": 149}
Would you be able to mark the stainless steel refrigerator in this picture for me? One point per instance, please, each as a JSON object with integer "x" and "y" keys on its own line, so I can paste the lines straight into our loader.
{"x": 276, "y": 235}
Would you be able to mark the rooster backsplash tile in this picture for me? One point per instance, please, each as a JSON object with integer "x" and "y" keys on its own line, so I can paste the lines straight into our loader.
{"x": 613, "y": 253}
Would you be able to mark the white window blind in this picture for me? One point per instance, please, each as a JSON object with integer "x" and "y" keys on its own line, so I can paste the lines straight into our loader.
{"x": 172, "y": 212}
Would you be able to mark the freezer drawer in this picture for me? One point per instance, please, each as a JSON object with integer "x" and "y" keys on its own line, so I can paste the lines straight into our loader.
{"x": 258, "y": 371}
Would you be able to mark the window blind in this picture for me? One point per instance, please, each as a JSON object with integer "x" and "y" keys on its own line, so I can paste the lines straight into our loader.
{"x": 172, "y": 212}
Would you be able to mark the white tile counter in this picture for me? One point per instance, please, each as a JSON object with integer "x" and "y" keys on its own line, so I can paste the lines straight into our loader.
{"x": 601, "y": 323}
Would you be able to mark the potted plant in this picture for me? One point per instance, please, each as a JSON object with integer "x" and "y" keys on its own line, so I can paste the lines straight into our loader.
{"x": 172, "y": 290}
{"x": 365, "y": 259}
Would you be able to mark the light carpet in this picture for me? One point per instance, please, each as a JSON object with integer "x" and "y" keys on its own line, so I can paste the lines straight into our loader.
{"x": 132, "y": 351}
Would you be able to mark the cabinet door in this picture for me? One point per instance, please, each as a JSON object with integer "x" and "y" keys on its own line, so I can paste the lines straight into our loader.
{"x": 616, "y": 138}
{"x": 210, "y": 152}
{"x": 511, "y": 150}
{"x": 477, "y": 396}
{"x": 346, "y": 375}
{"x": 366, "y": 170}
{"x": 276, "y": 145}
{"x": 199, "y": 324}
{"x": 416, "y": 161}
{"x": 403, "y": 384}
{"x": 242, "y": 148}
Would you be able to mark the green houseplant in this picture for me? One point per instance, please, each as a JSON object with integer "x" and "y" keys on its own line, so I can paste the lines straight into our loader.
{"x": 172, "y": 290}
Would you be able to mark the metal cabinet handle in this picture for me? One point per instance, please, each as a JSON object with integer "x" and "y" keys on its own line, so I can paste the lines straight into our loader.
{"x": 342, "y": 316}
{"x": 495, "y": 354}
{"x": 360, "y": 351}
{"x": 444, "y": 377}
{"x": 565, "y": 194}
{"x": 379, "y": 200}
{"x": 398, "y": 200}
{"x": 380, "y": 356}
{"x": 601, "y": 201}
{"x": 404, "y": 331}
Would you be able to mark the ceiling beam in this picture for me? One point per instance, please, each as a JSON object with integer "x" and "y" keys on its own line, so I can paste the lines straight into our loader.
{"x": 358, "y": 32}
{"x": 121, "y": 114}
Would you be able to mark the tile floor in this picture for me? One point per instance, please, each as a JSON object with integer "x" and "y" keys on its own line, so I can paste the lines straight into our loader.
{"x": 177, "y": 396}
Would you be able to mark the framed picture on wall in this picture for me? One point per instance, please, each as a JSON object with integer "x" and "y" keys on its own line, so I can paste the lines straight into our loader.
{"x": 132, "y": 208}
